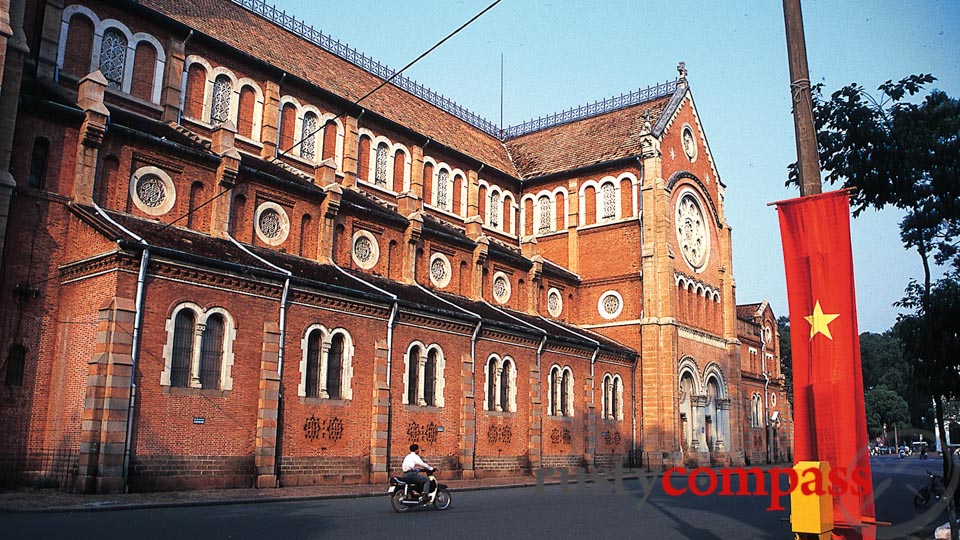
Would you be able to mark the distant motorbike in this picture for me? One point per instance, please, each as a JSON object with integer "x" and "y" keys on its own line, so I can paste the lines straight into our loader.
{"x": 403, "y": 495}
{"x": 933, "y": 490}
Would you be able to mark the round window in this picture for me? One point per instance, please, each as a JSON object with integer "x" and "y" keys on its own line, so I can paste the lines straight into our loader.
{"x": 501, "y": 288}
{"x": 692, "y": 237}
{"x": 366, "y": 251}
{"x": 689, "y": 143}
{"x": 610, "y": 305}
{"x": 272, "y": 224}
{"x": 554, "y": 303}
{"x": 152, "y": 191}
{"x": 439, "y": 270}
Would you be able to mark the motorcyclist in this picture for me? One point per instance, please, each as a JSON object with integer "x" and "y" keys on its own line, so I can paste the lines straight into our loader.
{"x": 412, "y": 465}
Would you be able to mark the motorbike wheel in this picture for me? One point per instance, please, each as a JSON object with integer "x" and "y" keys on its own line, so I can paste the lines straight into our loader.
{"x": 442, "y": 500}
{"x": 921, "y": 498}
{"x": 396, "y": 500}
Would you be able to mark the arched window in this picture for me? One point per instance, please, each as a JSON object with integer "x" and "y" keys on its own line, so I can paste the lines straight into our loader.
{"x": 196, "y": 84}
{"x": 248, "y": 100}
{"x": 380, "y": 175}
{"x": 335, "y": 367}
{"x": 495, "y": 210}
{"x": 38, "y": 162}
{"x": 314, "y": 342}
{"x": 554, "y": 397}
{"x": 491, "y": 383}
{"x": 308, "y": 136}
{"x": 211, "y": 352}
{"x": 413, "y": 372}
{"x": 505, "y": 385}
{"x": 617, "y": 399}
{"x": 113, "y": 56}
{"x": 199, "y": 349}
{"x": 16, "y": 359}
{"x": 184, "y": 329}
{"x": 329, "y": 140}
{"x": 609, "y": 195}
{"x": 430, "y": 379}
{"x": 546, "y": 214}
{"x": 565, "y": 387}
{"x": 144, "y": 71}
{"x": 443, "y": 178}
{"x": 220, "y": 104}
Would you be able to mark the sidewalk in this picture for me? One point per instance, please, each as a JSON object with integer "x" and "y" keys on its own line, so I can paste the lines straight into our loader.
{"x": 53, "y": 500}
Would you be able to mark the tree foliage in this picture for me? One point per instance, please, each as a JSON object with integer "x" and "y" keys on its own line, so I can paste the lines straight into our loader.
{"x": 885, "y": 409}
{"x": 786, "y": 360}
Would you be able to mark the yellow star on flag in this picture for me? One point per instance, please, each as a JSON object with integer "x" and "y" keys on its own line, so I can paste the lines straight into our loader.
{"x": 819, "y": 321}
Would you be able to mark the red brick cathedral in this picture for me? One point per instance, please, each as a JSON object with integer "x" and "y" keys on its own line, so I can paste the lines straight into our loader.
{"x": 221, "y": 270}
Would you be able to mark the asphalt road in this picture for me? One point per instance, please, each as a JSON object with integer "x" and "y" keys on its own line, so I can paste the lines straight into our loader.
{"x": 642, "y": 510}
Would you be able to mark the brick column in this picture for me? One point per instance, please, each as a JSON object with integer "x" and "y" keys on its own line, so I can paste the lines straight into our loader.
{"x": 590, "y": 419}
{"x": 573, "y": 220}
{"x": 329, "y": 209}
{"x": 223, "y": 143}
{"x": 268, "y": 405}
{"x": 104, "y": 422}
{"x": 271, "y": 120}
{"x": 351, "y": 149}
{"x": 411, "y": 237}
{"x": 479, "y": 261}
{"x": 172, "y": 80}
{"x": 416, "y": 170}
{"x": 473, "y": 195}
{"x": 535, "y": 432}
{"x": 90, "y": 99}
{"x": 379, "y": 430}
{"x": 13, "y": 49}
{"x": 50, "y": 40}
{"x": 468, "y": 417}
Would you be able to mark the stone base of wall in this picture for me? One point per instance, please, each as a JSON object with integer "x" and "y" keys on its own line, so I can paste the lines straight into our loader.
{"x": 501, "y": 466}
{"x": 608, "y": 461}
{"x": 173, "y": 473}
{"x": 561, "y": 462}
{"x": 313, "y": 471}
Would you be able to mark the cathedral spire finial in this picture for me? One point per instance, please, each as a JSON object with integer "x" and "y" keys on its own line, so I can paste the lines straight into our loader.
{"x": 682, "y": 69}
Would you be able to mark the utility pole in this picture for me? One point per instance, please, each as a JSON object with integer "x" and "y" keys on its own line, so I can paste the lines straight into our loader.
{"x": 808, "y": 159}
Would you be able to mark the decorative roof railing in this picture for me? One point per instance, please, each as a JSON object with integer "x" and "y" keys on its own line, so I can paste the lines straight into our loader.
{"x": 591, "y": 109}
{"x": 364, "y": 62}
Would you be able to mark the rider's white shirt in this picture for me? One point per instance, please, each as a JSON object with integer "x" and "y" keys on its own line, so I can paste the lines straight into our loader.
{"x": 413, "y": 462}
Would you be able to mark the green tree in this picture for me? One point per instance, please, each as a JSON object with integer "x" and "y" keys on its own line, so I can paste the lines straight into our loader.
{"x": 786, "y": 360}
{"x": 887, "y": 408}
{"x": 893, "y": 151}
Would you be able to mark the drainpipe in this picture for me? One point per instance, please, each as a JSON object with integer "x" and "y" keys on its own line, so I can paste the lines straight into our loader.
{"x": 135, "y": 346}
{"x": 183, "y": 82}
{"x": 276, "y": 146}
{"x": 766, "y": 384}
{"x": 280, "y": 349}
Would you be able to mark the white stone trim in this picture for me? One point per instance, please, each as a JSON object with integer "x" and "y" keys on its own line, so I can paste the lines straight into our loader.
{"x": 602, "y": 310}
{"x": 684, "y": 192}
{"x": 200, "y": 317}
{"x": 170, "y": 191}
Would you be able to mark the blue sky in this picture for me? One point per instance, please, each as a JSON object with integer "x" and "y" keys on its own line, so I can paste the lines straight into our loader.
{"x": 560, "y": 54}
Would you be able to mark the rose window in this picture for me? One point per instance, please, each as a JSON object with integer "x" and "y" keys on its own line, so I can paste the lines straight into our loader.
{"x": 611, "y": 304}
{"x": 438, "y": 270}
{"x": 554, "y": 303}
{"x": 150, "y": 190}
{"x": 363, "y": 249}
{"x": 691, "y": 231}
{"x": 501, "y": 288}
{"x": 270, "y": 223}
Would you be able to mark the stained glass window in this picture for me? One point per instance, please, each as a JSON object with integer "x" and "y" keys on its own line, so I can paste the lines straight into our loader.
{"x": 609, "y": 195}
{"x": 442, "y": 179}
{"x": 308, "y": 148}
{"x": 546, "y": 215}
{"x": 220, "y": 107}
{"x": 211, "y": 352}
{"x": 495, "y": 210}
{"x": 113, "y": 56}
{"x": 380, "y": 177}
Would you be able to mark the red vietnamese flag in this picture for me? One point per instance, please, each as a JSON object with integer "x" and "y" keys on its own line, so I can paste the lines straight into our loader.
{"x": 829, "y": 420}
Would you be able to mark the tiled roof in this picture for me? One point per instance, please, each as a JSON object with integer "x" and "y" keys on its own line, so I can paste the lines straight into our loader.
{"x": 747, "y": 312}
{"x": 598, "y": 139}
{"x": 260, "y": 38}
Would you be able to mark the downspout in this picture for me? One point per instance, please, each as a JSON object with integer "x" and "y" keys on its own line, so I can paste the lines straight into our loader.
{"x": 766, "y": 384}
{"x": 636, "y": 365}
{"x": 135, "y": 346}
{"x": 276, "y": 145}
{"x": 280, "y": 350}
{"x": 183, "y": 81}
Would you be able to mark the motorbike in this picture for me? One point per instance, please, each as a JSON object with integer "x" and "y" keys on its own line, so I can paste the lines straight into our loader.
{"x": 403, "y": 495}
{"x": 932, "y": 490}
